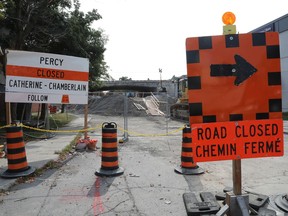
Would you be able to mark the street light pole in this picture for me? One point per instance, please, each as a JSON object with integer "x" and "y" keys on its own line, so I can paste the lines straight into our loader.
{"x": 160, "y": 71}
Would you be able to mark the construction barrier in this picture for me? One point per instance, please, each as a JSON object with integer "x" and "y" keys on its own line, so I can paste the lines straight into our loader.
{"x": 109, "y": 164}
{"x": 188, "y": 166}
{"x": 52, "y": 109}
{"x": 86, "y": 143}
{"x": 16, "y": 154}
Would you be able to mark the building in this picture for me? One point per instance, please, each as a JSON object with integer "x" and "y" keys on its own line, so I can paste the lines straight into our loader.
{"x": 280, "y": 25}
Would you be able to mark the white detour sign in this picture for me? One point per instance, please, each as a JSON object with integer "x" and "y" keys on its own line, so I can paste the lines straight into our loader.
{"x": 33, "y": 77}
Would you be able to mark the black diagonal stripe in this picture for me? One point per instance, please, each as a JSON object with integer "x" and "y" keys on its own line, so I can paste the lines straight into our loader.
{"x": 17, "y": 161}
{"x": 18, "y": 170}
{"x": 109, "y": 159}
{"x": 14, "y": 140}
{"x": 109, "y": 130}
{"x": 187, "y": 130}
{"x": 109, "y": 168}
{"x": 186, "y": 159}
{"x": 186, "y": 140}
{"x": 13, "y": 129}
{"x": 109, "y": 140}
{"x": 15, "y": 151}
{"x": 187, "y": 149}
{"x": 109, "y": 149}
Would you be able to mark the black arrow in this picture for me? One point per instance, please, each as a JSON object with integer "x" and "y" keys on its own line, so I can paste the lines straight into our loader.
{"x": 242, "y": 70}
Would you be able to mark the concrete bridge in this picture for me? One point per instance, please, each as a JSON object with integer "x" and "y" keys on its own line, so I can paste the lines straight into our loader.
{"x": 141, "y": 86}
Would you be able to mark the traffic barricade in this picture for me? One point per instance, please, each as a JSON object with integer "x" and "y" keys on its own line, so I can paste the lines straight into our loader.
{"x": 109, "y": 164}
{"x": 16, "y": 154}
{"x": 188, "y": 165}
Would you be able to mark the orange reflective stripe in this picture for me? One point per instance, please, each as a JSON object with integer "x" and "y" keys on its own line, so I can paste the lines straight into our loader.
{"x": 109, "y": 164}
{"x": 110, "y": 154}
{"x": 17, "y": 166}
{"x": 12, "y": 70}
{"x": 15, "y": 145}
{"x": 187, "y": 145}
{"x": 109, "y": 145}
{"x": 16, "y": 156}
{"x": 187, "y": 154}
{"x": 188, "y": 164}
{"x": 109, "y": 135}
{"x": 187, "y": 135}
{"x": 14, "y": 134}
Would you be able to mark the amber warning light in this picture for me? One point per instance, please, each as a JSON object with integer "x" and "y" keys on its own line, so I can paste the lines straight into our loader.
{"x": 229, "y": 19}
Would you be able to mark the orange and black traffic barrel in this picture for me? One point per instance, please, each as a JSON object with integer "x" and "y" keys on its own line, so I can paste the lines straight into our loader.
{"x": 109, "y": 159}
{"x": 16, "y": 154}
{"x": 188, "y": 165}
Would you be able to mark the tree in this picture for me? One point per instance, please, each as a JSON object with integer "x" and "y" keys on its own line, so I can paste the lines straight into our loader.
{"x": 1, "y": 11}
{"x": 124, "y": 78}
{"x": 53, "y": 26}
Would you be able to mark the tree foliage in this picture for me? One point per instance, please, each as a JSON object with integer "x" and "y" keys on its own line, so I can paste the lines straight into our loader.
{"x": 1, "y": 11}
{"x": 124, "y": 78}
{"x": 53, "y": 26}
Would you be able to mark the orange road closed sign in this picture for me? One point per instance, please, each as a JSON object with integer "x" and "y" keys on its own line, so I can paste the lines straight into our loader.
{"x": 235, "y": 96}
{"x": 237, "y": 140}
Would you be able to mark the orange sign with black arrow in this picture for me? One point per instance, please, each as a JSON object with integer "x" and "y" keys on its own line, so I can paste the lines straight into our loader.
{"x": 234, "y": 77}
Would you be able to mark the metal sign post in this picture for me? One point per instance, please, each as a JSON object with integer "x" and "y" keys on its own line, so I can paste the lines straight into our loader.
{"x": 125, "y": 114}
{"x": 237, "y": 176}
{"x": 86, "y": 121}
{"x": 228, "y": 19}
{"x": 126, "y": 117}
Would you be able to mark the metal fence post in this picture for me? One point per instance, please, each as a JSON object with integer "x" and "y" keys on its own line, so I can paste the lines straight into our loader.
{"x": 125, "y": 138}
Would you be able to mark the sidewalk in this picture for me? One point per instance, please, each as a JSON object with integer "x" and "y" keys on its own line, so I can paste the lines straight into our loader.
{"x": 40, "y": 152}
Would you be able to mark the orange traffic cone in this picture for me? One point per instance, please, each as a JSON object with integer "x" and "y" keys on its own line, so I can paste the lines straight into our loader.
{"x": 109, "y": 165}
{"x": 16, "y": 154}
{"x": 188, "y": 166}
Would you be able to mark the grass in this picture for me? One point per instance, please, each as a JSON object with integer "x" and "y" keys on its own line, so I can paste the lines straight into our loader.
{"x": 60, "y": 119}
{"x": 56, "y": 121}
{"x": 69, "y": 148}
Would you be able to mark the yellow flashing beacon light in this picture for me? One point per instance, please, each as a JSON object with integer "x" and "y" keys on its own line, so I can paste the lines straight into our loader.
{"x": 229, "y": 19}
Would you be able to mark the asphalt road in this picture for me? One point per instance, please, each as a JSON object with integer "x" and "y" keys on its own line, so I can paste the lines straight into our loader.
{"x": 149, "y": 185}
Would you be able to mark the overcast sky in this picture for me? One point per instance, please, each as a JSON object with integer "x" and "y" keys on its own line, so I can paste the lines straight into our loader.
{"x": 145, "y": 35}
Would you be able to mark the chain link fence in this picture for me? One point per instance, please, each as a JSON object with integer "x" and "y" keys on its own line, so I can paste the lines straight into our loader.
{"x": 127, "y": 107}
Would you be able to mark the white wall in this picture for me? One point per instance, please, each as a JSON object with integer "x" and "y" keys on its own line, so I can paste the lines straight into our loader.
{"x": 284, "y": 69}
